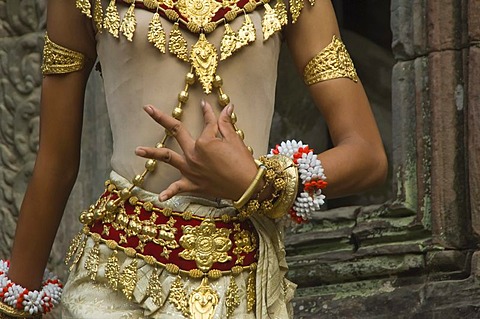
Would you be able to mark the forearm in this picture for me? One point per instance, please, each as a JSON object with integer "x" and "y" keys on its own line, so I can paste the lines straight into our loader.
{"x": 40, "y": 215}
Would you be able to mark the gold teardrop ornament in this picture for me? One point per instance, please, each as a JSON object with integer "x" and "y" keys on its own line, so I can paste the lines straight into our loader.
{"x": 111, "y": 21}
{"x": 84, "y": 6}
{"x": 246, "y": 33}
{"x": 204, "y": 59}
{"x": 296, "y": 7}
{"x": 270, "y": 22}
{"x": 203, "y": 301}
{"x": 229, "y": 43}
{"x": 281, "y": 10}
{"x": 129, "y": 23}
{"x": 156, "y": 34}
{"x": 98, "y": 15}
{"x": 177, "y": 45}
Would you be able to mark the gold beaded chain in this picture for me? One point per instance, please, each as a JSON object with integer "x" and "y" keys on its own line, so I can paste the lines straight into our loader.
{"x": 150, "y": 164}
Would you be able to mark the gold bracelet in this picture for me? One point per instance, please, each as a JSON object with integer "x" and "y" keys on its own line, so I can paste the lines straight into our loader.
{"x": 289, "y": 189}
{"x": 8, "y": 312}
{"x": 251, "y": 189}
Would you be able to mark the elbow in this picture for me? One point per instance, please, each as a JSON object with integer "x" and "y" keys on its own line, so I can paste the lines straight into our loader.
{"x": 379, "y": 168}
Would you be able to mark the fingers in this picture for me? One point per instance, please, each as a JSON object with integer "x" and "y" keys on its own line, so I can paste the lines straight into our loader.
{"x": 163, "y": 154}
{"x": 174, "y": 127}
{"x": 211, "y": 128}
{"x": 225, "y": 123}
{"x": 180, "y": 186}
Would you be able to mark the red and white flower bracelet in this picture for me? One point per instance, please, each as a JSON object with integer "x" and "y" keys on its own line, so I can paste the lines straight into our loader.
{"x": 311, "y": 175}
{"x": 32, "y": 302}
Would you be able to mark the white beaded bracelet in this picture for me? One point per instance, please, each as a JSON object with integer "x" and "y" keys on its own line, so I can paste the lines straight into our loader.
{"x": 312, "y": 177}
{"x": 30, "y": 302}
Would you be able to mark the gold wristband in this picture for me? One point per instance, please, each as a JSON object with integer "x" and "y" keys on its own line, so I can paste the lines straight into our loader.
{"x": 290, "y": 177}
{"x": 8, "y": 312}
{"x": 251, "y": 189}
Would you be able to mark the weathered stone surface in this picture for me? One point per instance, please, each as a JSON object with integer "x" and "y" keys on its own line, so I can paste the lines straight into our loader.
{"x": 473, "y": 125}
{"x": 445, "y": 24}
{"x": 474, "y": 20}
{"x": 447, "y": 102}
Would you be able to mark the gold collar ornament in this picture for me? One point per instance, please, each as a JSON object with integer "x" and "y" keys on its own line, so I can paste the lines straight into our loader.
{"x": 198, "y": 16}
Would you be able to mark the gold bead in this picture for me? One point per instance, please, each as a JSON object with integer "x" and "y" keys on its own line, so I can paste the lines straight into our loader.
{"x": 183, "y": 96}
{"x": 190, "y": 78}
{"x": 125, "y": 193}
{"x": 86, "y": 217}
{"x": 159, "y": 145}
{"x": 223, "y": 99}
{"x": 250, "y": 149}
{"x": 137, "y": 180}
{"x": 240, "y": 133}
{"x": 98, "y": 214}
{"x": 150, "y": 165}
{"x": 233, "y": 118}
{"x": 111, "y": 206}
{"x": 177, "y": 113}
{"x": 217, "y": 81}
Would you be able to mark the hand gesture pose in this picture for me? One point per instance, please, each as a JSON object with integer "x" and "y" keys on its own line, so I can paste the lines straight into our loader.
{"x": 217, "y": 164}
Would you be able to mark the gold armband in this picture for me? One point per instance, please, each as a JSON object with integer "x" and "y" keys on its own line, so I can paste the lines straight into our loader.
{"x": 60, "y": 60}
{"x": 333, "y": 62}
{"x": 8, "y": 312}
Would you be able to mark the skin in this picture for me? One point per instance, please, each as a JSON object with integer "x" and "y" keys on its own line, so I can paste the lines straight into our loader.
{"x": 355, "y": 163}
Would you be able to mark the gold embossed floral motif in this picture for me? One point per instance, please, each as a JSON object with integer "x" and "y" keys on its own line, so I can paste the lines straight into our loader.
{"x": 204, "y": 60}
{"x": 205, "y": 244}
{"x": 199, "y": 12}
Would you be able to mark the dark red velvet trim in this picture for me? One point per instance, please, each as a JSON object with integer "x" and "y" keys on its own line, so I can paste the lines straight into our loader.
{"x": 218, "y": 15}
{"x": 155, "y": 250}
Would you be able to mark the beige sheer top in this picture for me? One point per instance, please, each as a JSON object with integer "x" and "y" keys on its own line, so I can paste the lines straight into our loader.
{"x": 136, "y": 74}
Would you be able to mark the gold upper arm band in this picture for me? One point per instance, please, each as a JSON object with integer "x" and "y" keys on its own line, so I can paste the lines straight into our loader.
{"x": 59, "y": 60}
{"x": 333, "y": 62}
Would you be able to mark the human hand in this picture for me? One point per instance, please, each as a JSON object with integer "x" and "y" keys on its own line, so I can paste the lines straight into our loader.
{"x": 217, "y": 164}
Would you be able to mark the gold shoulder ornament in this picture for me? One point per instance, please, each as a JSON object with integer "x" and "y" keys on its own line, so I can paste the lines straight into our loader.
{"x": 333, "y": 62}
{"x": 60, "y": 60}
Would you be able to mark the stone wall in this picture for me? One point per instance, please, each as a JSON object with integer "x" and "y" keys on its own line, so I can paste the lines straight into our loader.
{"x": 416, "y": 255}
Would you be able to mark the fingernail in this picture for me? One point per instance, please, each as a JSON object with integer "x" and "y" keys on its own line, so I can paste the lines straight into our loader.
{"x": 148, "y": 109}
{"x": 162, "y": 197}
{"x": 202, "y": 103}
{"x": 140, "y": 151}
{"x": 230, "y": 109}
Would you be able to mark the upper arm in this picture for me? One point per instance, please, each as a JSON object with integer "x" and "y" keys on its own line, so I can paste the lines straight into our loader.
{"x": 61, "y": 110}
{"x": 342, "y": 101}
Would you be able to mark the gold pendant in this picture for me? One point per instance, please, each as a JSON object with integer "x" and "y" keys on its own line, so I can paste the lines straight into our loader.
{"x": 78, "y": 254}
{"x": 128, "y": 279}
{"x": 112, "y": 271}
{"x": 204, "y": 60}
{"x": 251, "y": 294}
{"x": 281, "y": 10}
{"x": 232, "y": 299}
{"x": 178, "y": 297}
{"x": 111, "y": 21}
{"x": 154, "y": 289}
{"x": 74, "y": 245}
{"x": 296, "y": 7}
{"x": 177, "y": 44}
{"x": 91, "y": 264}
{"x": 129, "y": 23}
{"x": 98, "y": 15}
{"x": 84, "y": 6}
{"x": 270, "y": 22}
{"x": 203, "y": 301}
{"x": 246, "y": 33}
{"x": 229, "y": 43}
{"x": 156, "y": 34}
{"x": 312, "y": 2}
{"x": 198, "y": 12}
